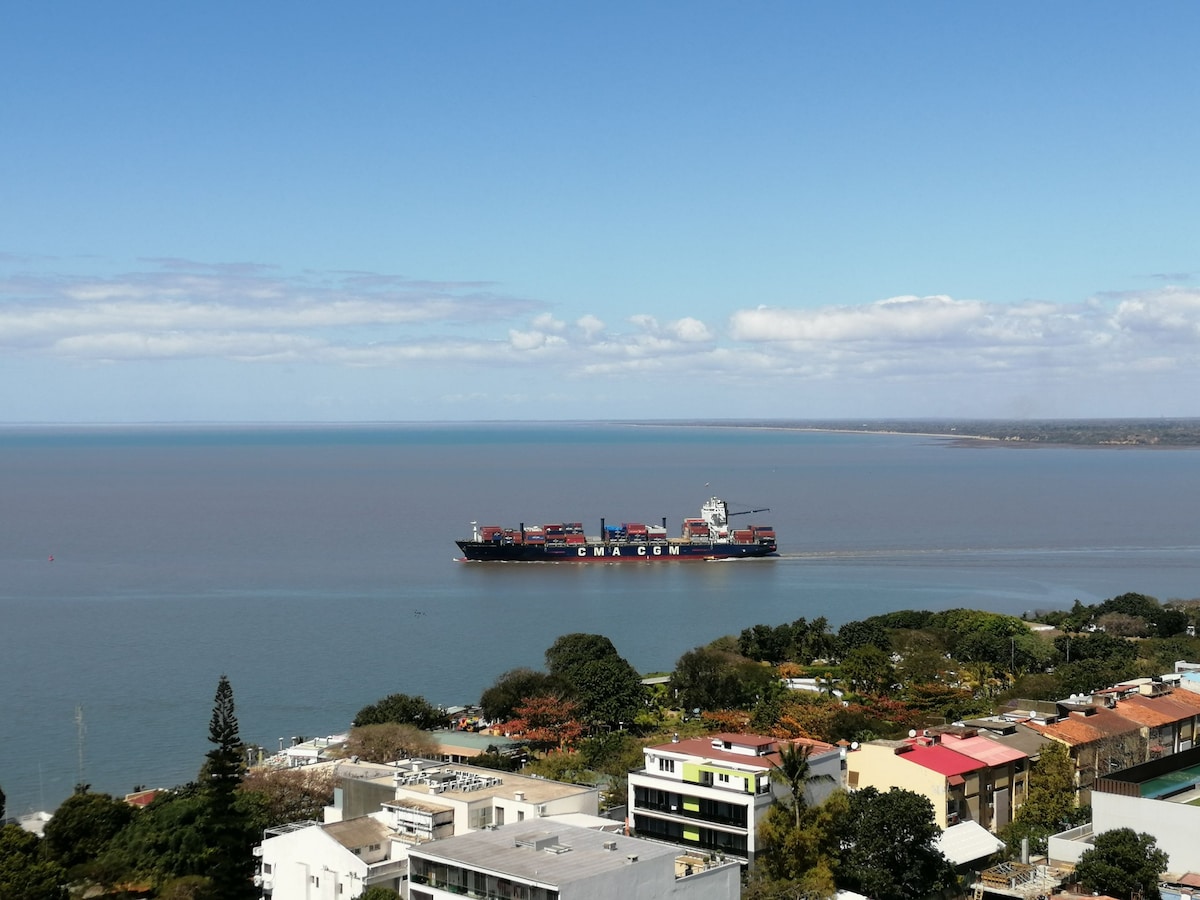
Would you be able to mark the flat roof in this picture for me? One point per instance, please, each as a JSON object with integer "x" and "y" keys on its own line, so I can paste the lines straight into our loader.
{"x": 550, "y": 854}
{"x": 482, "y": 783}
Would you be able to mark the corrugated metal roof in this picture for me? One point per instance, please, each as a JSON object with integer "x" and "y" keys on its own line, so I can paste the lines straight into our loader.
{"x": 943, "y": 760}
{"x": 967, "y": 842}
{"x": 983, "y": 749}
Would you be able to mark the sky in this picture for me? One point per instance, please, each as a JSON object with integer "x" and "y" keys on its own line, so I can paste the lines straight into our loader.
{"x": 395, "y": 211}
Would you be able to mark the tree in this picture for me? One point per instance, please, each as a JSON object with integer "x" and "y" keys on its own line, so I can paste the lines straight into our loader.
{"x": 888, "y": 851}
{"x": 1121, "y": 862}
{"x": 24, "y": 874}
{"x": 709, "y": 679}
{"x": 226, "y": 831}
{"x": 389, "y": 741}
{"x": 547, "y": 723}
{"x": 608, "y": 688}
{"x": 868, "y": 669}
{"x": 515, "y": 685}
{"x": 793, "y": 770}
{"x": 378, "y": 892}
{"x": 402, "y": 709}
{"x": 797, "y": 861}
{"x": 564, "y": 766}
{"x": 169, "y": 839}
{"x": 1050, "y": 803}
{"x": 82, "y": 827}
{"x": 273, "y": 796}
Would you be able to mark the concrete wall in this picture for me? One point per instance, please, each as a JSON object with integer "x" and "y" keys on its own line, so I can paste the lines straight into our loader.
{"x": 1173, "y": 825}
{"x": 881, "y": 767}
{"x": 298, "y": 857}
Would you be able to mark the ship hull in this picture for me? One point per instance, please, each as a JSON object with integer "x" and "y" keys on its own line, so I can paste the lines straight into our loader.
{"x": 489, "y": 551}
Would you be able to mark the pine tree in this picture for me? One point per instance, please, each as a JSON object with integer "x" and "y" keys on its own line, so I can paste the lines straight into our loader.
{"x": 228, "y": 837}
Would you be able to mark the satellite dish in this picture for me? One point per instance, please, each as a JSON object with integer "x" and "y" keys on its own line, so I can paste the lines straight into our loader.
{"x": 1033, "y": 714}
{"x": 854, "y": 745}
{"x": 912, "y": 732}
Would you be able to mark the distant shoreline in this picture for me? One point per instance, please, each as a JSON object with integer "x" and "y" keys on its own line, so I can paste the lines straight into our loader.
{"x": 1098, "y": 433}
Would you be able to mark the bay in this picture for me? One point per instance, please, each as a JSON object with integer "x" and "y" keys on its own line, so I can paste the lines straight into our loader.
{"x": 314, "y": 565}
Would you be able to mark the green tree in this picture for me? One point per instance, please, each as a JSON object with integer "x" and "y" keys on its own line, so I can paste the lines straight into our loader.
{"x": 866, "y": 633}
{"x": 608, "y": 689}
{"x": 798, "y": 861}
{"x": 1120, "y": 862}
{"x": 378, "y": 892}
{"x": 793, "y": 771}
{"x": 403, "y": 710}
{"x": 512, "y": 688}
{"x": 710, "y": 679}
{"x": 226, "y": 830}
{"x": 24, "y": 873}
{"x": 888, "y": 851}
{"x": 868, "y": 669}
{"x": 82, "y": 827}
{"x": 1050, "y": 804}
{"x": 165, "y": 841}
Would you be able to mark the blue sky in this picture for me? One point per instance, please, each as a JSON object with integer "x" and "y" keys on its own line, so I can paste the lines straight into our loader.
{"x": 479, "y": 210}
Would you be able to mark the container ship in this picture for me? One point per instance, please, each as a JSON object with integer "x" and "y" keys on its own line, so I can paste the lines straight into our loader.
{"x": 709, "y": 536}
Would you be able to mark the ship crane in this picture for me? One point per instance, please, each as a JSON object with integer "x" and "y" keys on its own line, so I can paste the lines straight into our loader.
{"x": 746, "y": 512}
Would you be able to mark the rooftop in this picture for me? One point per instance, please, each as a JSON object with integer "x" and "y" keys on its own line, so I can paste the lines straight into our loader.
{"x": 552, "y": 856}
{"x": 455, "y": 781}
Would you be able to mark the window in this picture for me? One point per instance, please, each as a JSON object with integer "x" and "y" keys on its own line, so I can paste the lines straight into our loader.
{"x": 722, "y": 778}
{"x": 666, "y": 765}
{"x": 266, "y": 868}
{"x": 520, "y": 815}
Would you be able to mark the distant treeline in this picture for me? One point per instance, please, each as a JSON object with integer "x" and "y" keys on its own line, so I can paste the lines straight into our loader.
{"x": 1082, "y": 432}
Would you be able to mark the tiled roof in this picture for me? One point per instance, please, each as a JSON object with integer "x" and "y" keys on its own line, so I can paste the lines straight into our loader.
{"x": 1154, "y": 711}
{"x": 1076, "y": 729}
{"x": 703, "y": 748}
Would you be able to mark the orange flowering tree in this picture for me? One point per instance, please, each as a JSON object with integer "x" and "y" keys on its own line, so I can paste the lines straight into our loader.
{"x": 546, "y": 723}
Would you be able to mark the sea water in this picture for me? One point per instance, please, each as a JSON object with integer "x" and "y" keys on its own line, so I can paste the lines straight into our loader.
{"x": 315, "y": 565}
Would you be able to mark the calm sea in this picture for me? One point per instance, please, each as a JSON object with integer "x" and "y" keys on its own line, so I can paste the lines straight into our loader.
{"x": 315, "y": 565}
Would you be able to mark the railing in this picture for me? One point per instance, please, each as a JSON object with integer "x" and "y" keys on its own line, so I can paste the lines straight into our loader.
{"x": 694, "y": 815}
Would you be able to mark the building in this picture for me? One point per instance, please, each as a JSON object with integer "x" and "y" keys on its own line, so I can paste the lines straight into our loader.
{"x": 308, "y": 861}
{"x": 475, "y": 796}
{"x": 1122, "y": 726}
{"x": 382, "y": 812}
{"x": 710, "y": 793}
{"x": 548, "y": 861}
{"x": 966, "y": 777}
{"x": 1157, "y": 798}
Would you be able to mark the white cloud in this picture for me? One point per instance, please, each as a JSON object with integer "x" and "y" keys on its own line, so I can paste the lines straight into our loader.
{"x": 251, "y": 314}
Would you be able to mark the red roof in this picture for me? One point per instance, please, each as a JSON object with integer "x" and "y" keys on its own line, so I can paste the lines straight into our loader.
{"x": 943, "y": 760}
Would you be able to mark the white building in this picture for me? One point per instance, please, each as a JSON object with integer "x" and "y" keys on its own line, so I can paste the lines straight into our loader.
{"x": 309, "y": 861}
{"x": 381, "y": 813}
{"x": 711, "y": 793}
{"x": 549, "y": 861}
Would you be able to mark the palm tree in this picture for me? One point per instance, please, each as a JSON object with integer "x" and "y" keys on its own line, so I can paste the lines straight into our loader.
{"x": 793, "y": 771}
